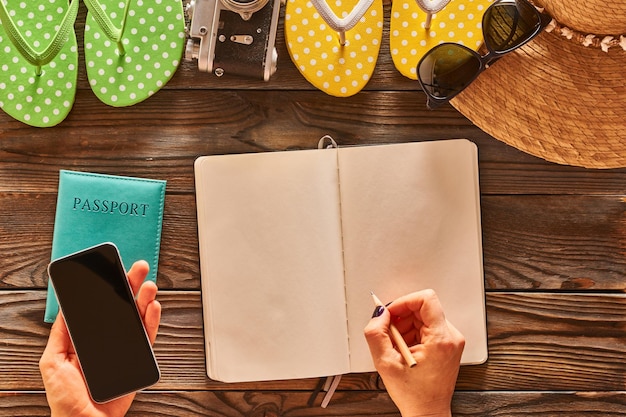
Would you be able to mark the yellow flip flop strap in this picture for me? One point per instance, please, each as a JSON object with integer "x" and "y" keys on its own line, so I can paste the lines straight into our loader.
{"x": 342, "y": 24}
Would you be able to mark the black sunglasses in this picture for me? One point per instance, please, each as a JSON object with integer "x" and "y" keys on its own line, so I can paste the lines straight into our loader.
{"x": 448, "y": 68}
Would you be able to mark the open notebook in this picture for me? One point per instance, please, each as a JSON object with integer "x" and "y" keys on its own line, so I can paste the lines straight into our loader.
{"x": 292, "y": 243}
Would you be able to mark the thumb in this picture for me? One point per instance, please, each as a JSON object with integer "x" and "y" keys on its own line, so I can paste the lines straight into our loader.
{"x": 59, "y": 339}
{"x": 377, "y": 333}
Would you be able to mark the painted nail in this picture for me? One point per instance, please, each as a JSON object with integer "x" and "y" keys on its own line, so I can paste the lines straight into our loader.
{"x": 378, "y": 311}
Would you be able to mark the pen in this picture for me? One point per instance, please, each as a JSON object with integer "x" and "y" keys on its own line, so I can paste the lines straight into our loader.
{"x": 397, "y": 338}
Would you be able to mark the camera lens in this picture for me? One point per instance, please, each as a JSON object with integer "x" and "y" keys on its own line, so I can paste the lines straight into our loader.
{"x": 244, "y": 7}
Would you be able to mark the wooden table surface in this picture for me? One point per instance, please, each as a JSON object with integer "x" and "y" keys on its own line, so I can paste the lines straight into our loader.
{"x": 554, "y": 243}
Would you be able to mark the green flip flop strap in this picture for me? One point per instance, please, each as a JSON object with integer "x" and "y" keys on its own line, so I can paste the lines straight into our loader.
{"x": 56, "y": 44}
{"x": 100, "y": 16}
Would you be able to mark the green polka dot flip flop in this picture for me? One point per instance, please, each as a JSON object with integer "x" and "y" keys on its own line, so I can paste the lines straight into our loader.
{"x": 132, "y": 47}
{"x": 39, "y": 65}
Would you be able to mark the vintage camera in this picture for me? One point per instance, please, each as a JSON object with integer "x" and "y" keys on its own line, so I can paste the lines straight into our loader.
{"x": 233, "y": 36}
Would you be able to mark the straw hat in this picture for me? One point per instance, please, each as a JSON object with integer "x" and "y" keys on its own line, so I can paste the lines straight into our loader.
{"x": 562, "y": 96}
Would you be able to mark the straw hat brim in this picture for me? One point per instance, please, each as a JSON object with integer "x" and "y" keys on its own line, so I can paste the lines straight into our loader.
{"x": 555, "y": 99}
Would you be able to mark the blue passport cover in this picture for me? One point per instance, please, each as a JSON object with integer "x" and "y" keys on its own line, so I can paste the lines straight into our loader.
{"x": 96, "y": 208}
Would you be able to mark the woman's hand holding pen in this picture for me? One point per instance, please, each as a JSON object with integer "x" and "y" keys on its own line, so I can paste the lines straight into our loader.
{"x": 427, "y": 388}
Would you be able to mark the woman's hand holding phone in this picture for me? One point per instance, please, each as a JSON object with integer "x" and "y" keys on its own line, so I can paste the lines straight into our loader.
{"x": 66, "y": 390}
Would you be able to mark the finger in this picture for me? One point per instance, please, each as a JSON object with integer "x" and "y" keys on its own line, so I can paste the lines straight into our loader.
{"x": 152, "y": 320}
{"x": 137, "y": 274}
{"x": 456, "y": 335}
{"x": 149, "y": 308}
{"x": 406, "y": 324}
{"x": 59, "y": 340}
{"x": 377, "y": 335}
{"x": 425, "y": 305}
{"x": 147, "y": 294}
{"x": 411, "y": 335}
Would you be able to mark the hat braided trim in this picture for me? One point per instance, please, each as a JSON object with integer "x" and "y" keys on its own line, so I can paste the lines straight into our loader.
{"x": 603, "y": 42}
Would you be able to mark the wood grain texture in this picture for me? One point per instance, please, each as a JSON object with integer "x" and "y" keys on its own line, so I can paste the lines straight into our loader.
{"x": 558, "y": 242}
{"x": 165, "y": 134}
{"x": 554, "y": 241}
{"x": 364, "y": 404}
{"x": 537, "y": 341}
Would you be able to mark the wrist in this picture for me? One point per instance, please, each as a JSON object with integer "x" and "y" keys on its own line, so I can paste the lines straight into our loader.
{"x": 427, "y": 413}
{"x": 427, "y": 410}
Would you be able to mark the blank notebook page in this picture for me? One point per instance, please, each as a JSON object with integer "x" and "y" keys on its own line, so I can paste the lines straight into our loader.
{"x": 411, "y": 220}
{"x": 272, "y": 271}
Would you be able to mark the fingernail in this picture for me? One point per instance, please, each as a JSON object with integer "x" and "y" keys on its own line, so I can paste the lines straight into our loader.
{"x": 378, "y": 311}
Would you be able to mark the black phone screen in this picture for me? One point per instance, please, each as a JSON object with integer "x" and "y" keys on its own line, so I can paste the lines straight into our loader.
{"x": 104, "y": 323}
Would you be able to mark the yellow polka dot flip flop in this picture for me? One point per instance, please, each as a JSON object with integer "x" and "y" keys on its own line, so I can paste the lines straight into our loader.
{"x": 335, "y": 47}
{"x": 418, "y": 25}
{"x": 132, "y": 47}
{"x": 39, "y": 64}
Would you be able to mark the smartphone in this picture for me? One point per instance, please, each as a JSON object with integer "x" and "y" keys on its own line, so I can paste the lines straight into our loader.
{"x": 104, "y": 323}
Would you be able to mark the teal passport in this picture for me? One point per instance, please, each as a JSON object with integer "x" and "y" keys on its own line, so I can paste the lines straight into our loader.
{"x": 96, "y": 208}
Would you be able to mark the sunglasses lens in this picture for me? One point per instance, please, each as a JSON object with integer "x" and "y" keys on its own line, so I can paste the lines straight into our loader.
{"x": 447, "y": 69}
{"x": 509, "y": 24}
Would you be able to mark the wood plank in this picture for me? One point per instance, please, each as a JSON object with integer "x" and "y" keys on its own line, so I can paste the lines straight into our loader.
{"x": 571, "y": 404}
{"x": 554, "y": 242}
{"x": 548, "y": 341}
{"x": 161, "y": 137}
{"x": 530, "y": 242}
{"x": 537, "y": 341}
{"x": 366, "y": 403}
